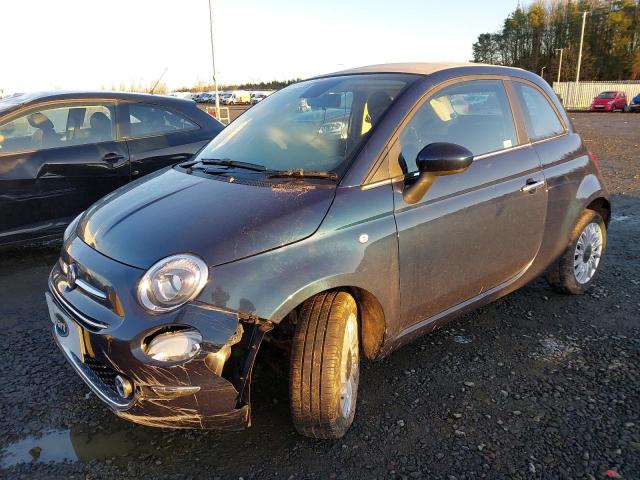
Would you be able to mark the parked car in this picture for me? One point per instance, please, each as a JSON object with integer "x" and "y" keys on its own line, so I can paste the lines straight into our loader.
{"x": 634, "y": 106}
{"x": 329, "y": 243}
{"x": 609, "y": 101}
{"x": 60, "y": 152}
{"x": 236, "y": 97}
{"x": 258, "y": 97}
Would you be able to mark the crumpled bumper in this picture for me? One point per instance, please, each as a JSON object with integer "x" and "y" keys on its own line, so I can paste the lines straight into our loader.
{"x": 209, "y": 391}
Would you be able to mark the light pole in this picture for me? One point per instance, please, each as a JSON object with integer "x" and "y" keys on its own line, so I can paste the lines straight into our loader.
{"x": 560, "y": 62}
{"x": 213, "y": 62}
{"x": 584, "y": 20}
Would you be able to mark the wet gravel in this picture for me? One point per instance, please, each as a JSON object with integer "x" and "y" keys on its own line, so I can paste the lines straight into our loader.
{"x": 535, "y": 385}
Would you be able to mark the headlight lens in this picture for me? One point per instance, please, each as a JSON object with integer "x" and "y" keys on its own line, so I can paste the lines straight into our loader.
{"x": 172, "y": 282}
{"x": 71, "y": 227}
{"x": 174, "y": 346}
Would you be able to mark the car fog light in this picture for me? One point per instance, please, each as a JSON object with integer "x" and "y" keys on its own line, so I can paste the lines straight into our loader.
{"x": 174, "y": 346}
{"x": 124, "y": 387}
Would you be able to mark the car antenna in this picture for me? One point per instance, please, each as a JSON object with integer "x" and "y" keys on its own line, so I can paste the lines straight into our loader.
{"x": 158, "y": 81}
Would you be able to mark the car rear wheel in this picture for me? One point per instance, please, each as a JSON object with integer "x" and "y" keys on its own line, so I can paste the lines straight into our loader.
{"x": 325, "y": 366}
{"x": 578, "y": 266}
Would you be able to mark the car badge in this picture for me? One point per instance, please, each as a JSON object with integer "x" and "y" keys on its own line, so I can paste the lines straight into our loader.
{"x": 61, "y": 325}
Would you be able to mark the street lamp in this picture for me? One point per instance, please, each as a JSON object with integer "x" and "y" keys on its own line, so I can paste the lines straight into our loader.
{"x": 584, "y": 20}
{"x": 542, "y": 71}
{"x": 560, "y": 62}
{"x": 213, "y": 62}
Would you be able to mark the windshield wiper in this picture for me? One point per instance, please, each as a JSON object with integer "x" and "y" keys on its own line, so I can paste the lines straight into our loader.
{"x": 225, "y": 162}
{"x": 301, "y": 173}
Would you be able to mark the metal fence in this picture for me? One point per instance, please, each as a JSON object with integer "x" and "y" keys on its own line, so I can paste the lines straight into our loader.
{"x": 578, "y": 96}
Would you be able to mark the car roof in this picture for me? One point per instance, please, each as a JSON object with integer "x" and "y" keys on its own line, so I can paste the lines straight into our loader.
{"x": 421, "y": 68}
{"x": 36, "y": 97}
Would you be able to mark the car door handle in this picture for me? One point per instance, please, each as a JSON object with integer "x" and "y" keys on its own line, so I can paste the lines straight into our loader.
{"x": 113, "y": 157}
{"x": 532, "y": 185}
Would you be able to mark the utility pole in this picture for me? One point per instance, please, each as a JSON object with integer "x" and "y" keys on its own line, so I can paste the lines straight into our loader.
{"x": 213, "y": 62}
{"x": 560, "y": 62}
{"x": 584, "y": 20}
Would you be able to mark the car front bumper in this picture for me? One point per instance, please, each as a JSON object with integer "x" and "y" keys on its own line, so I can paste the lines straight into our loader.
{"x": 601, "y": 108}
{"x": 208, "y": 391}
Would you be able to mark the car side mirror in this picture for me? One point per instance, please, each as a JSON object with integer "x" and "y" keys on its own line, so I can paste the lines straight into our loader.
{"x": 436, "y": 160}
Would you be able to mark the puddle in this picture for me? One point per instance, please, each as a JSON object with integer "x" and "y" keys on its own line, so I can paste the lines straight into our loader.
{"x": 73, "y": 445}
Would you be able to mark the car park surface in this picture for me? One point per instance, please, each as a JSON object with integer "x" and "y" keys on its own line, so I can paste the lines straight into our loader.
{"x": 62, "y": 151}
{"x": 471, "y": 400}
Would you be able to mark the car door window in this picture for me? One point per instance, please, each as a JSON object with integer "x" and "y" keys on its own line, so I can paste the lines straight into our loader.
{"x": 475, "y": 114}
{"x": 58, "y": 126}
{"x": 148, "y": 120}
{"x": 540, "y": 117}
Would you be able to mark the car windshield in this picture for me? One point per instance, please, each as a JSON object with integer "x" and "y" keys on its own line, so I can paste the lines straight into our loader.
{"x": 312, "y": 125}
{"x": 607, "y": 95}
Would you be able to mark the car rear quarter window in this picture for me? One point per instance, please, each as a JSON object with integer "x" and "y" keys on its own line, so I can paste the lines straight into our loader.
{"x": 148, "y": 120}
{"x": 475, "y": 114}
{"x": 58, "y": 126}
{"x": 540, "y": 118}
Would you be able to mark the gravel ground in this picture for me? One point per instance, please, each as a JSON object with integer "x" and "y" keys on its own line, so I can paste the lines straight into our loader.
{"x": 535, "y": 385}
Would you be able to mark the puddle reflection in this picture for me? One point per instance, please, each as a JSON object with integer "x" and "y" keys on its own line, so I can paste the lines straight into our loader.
{"x": 73, "y": 445}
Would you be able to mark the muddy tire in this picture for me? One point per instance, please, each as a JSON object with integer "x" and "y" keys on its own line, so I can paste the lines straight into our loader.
{"x": 575, "y": 271}
{"x": 325, "y": 366}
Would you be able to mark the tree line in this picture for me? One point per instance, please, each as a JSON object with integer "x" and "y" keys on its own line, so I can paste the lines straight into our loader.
{"x": 531, "y": 37}
{"x": 271, "y": 85}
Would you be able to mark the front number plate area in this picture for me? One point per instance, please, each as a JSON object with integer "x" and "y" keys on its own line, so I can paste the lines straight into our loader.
{"x": 67, "y": 331}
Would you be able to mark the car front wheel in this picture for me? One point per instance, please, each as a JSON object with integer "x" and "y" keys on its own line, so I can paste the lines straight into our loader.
{"x": 576, "y": 269}
{"x": 325, "y": 366}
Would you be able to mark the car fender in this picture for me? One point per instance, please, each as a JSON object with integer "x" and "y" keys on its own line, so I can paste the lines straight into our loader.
{"x": 356, "y": 246}
{"x": 590, "y": 189}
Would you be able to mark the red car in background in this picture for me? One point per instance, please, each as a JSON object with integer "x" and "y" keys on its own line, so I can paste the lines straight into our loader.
{"x": 609, "y": 101}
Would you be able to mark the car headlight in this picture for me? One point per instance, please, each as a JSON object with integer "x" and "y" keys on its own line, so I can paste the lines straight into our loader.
{"x": 172, "y": 282}
{"x": 71, "y": 227}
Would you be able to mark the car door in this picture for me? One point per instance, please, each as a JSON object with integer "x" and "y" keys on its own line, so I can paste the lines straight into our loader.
{"x": 158, "y": 136}
{"x": 623, "y": 100}
{"x": 55, "y": 161}
{"x": 474, "y": 231}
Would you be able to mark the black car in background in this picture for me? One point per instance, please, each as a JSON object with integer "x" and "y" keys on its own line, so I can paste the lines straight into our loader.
{"x": 60, "y": 152}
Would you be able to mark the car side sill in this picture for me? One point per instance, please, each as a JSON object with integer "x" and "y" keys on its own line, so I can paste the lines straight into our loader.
{"x": 424, "y": 323}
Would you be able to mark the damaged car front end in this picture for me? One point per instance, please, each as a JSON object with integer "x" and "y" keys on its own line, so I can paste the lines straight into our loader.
{"x": 187, "y": 368}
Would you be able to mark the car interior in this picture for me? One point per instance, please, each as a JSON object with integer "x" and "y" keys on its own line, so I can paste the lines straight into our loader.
{"x": 477, "y": 117}
{"x": 57, "y": 127}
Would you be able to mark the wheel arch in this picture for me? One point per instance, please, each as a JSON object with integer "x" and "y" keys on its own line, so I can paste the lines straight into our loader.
{"x": 603, "y": 207}
{"x": 372, "y": 318}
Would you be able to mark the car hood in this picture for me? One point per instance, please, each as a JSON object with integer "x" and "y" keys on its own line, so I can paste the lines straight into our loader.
{"x": 174, "y": 212}
{"x": 602, "y": 101}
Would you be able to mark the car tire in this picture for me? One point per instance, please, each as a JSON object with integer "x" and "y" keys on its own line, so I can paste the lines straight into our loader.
{"x": 325, "y": 366}
{"x": 575, "y": 271}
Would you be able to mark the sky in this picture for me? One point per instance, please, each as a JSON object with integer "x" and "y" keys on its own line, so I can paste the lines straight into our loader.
{"x": 99, "y": 44}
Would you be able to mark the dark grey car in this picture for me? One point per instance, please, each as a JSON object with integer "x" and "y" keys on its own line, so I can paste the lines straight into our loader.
{"x": 343, "y": 215}
{"x": 62, "y": 151}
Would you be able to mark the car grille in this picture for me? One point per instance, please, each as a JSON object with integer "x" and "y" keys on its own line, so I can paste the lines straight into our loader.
{"x": 105, "y": 374}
